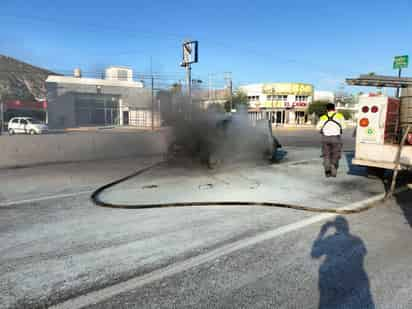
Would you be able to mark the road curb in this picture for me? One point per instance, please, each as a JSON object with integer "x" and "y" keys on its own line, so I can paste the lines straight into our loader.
{"x": 370, "y": 202}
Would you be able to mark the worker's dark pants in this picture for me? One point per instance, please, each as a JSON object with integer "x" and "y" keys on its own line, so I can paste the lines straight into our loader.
{"x": 331, "y": 151}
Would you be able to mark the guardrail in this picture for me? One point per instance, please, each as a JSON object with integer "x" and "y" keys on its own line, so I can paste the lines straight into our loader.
{"x": 24, "y": 150}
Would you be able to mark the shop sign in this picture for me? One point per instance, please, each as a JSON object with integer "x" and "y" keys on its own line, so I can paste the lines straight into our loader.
{"x": 287, "y": 88}
{"x": 275, "y": 104}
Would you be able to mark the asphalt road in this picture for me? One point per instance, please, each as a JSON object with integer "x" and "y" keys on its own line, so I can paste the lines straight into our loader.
{"x": 58, "y": 249}
{"x": 309, "y": 137}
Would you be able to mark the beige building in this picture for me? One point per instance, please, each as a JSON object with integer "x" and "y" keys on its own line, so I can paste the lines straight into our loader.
{"x": 282, "y": 103}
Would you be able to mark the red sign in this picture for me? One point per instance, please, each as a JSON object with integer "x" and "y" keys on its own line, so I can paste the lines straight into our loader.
{"x": 300, "y": 104}
{"x": 27, "y": 105}
{"x": 296, "y": 104}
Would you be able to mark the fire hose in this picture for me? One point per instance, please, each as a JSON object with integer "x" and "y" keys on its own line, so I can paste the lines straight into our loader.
{"x": 95, "y": 197}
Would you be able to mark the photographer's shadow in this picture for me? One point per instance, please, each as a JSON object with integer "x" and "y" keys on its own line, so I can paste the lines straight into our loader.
{"x": 343, "y": 282}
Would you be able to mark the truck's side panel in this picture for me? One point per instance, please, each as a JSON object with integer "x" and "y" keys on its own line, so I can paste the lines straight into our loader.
{"x": 377, "y": 138}
{"x": 383, "y": 153}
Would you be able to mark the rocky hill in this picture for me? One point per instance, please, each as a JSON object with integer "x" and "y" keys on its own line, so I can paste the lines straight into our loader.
{"x": 20, "y": 80}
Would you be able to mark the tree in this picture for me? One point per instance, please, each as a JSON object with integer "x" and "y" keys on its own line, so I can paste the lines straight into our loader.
{"x": 239, "y": 99}
{"x": 5, "y": 92}
{"x": 318, "y": 108}
{"x": 176, "y": 89}
{"x": 347, "y": 114}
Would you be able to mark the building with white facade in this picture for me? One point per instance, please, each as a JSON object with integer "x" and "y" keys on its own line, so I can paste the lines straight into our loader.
{"x": 117, "y": 99}
{"x": 324, "y": 96}
{"x": 282, "y": 103}
{"x": 119, "y": 73}
{"x": 349, "y": 103}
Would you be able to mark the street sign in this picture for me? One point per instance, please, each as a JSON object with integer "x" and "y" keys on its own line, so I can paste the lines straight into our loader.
{"x": 190, "y": 52}
{"x": 400, "y": 62}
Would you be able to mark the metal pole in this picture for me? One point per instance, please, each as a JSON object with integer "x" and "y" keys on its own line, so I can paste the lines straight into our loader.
{"x": 189, "y": 82}
{"x": 159, "y": 113}
{"x": 397, "y": 167}
{"x": 210, "y": 87}
{"x": 231, "y": 94}
{"x": 229, "y": 85}
{"x": 153, "y": 104}
{"x": 152, "y": 90}
{"x": 189, "y": 88}
{"x": 1, "y": 117}
{"x": 398, "y": 89}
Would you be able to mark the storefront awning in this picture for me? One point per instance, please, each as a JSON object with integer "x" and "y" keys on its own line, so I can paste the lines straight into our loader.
{"x": 26, "y": 105}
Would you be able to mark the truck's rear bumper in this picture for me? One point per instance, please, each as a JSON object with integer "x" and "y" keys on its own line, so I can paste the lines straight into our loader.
{"x": 383, "y": 156}
{"x": 386, "y": 165}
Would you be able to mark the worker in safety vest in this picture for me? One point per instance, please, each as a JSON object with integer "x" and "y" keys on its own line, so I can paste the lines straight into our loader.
{"x": 331, "y": 125}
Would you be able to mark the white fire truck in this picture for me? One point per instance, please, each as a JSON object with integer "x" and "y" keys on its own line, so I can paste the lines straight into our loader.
{"x": 379, "y": 133}
{"x": 384, "y": 126}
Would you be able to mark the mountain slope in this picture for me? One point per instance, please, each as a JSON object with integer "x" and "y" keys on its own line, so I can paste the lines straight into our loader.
{"x": 20, "y": 80}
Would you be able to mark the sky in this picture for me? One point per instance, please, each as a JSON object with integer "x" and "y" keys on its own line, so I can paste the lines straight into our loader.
{"x": 319, "y": 42}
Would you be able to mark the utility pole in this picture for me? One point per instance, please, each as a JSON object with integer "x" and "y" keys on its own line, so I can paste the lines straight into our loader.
{"x": 210, "y": 87}
{"x": 1, "y": 116}
{"x": 229, "y": 85}
{"x": 153, "y": 104}
{"x": 152, "y": 91}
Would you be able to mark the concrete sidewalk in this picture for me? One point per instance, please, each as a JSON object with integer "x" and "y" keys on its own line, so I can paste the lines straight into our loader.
{"x": 301, "y": 183}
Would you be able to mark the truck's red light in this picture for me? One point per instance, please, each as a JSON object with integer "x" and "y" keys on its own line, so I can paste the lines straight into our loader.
{"x": 374, "y": 109}
{"x": 365, "y": 109}
{"x": 409, "y": 139}
{"x": 364, "y": 122}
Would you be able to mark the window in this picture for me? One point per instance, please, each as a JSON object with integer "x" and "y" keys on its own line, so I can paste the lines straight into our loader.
{"x": 35, "y": 121}
{"x": 283, "y": 98}
{"x": 23, "y": 121}
{"x": 96, "y": 110}
{"x": 253, "y": 98}
{"x": 301, "y": 98}
{"x": 15, "y": 121}
{"x": 122, "y": 75}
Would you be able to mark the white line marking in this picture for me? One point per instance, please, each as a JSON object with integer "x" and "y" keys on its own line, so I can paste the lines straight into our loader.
{"x": 173, "y": 269}
{"x": 44, "y": 198}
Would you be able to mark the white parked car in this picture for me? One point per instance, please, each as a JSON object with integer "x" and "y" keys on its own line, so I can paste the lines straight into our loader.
{"x": 26, "y": 125}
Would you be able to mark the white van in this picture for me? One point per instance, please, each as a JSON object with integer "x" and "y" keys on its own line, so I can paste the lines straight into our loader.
{"x": 26, "y": 125}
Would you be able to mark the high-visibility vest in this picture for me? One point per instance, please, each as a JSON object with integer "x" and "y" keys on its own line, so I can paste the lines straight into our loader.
{"x": 331, "y": 119}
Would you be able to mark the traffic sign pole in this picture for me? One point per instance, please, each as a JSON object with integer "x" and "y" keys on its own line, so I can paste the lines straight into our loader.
{"x": 190, "y": 55}
{"x": 400, "y": 62}
{"x": 398, "y": 89}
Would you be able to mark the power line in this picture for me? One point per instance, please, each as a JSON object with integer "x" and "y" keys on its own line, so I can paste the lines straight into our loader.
{"x": 165, "y": 36}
